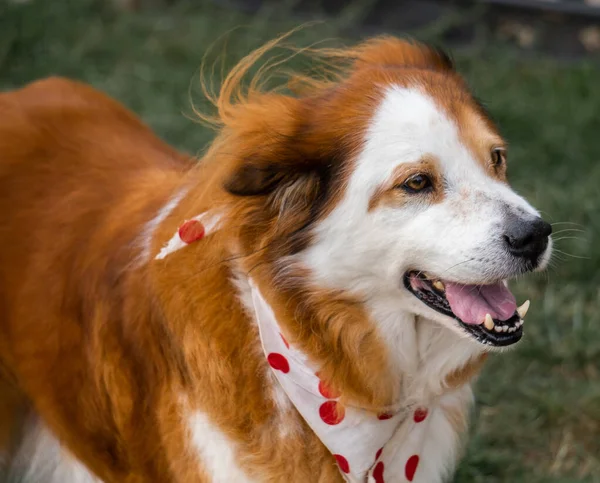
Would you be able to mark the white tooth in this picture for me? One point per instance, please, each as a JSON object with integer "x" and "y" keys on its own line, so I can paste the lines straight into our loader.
{"x": 498, "y": 328}
{"x": 439, "y": 285}
{"x": 522, "y": 310}
{"x": 519, "y": 323}
{"x": 505, "y": 328}
{"x": 512, "y": 329}
{"x": 488, "y": 322}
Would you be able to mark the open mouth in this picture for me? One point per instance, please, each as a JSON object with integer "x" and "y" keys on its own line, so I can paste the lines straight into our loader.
{"x": 488, "y": 313}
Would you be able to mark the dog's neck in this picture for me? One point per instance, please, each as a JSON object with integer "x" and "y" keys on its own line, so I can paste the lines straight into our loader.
{"x": 429, "y": 358}
{"x": 376, "y": 353}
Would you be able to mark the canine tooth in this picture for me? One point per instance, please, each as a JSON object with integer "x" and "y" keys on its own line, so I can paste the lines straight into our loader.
{"x": 488, "y": 322}
{"x": 522, "y": 310}
{"x": 439, "y": 285}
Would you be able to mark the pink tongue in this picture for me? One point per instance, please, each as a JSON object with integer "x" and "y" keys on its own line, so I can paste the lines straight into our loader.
{"x": 470, "y": 303}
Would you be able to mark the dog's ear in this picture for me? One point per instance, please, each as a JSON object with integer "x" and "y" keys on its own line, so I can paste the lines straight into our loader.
{"x": 286, "y": 168}
{"x": 252, "y": 179}
{"x": 273, "y": 148}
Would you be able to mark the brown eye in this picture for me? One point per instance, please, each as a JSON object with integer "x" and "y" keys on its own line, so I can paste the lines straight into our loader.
{"x": 498, "y": 157}
{"x": 417, "y": 183}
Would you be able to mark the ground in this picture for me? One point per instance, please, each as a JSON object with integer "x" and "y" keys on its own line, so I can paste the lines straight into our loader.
{"x": 538, "y": 407}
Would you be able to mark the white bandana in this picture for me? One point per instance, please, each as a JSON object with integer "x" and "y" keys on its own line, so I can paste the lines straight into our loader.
{"x": 366, "y": 446}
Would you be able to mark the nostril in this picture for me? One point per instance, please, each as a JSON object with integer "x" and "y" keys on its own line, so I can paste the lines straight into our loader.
{"x": 509, "y": 240}
{"x": 518, "y": 242}
{"x": 546, "y": 228}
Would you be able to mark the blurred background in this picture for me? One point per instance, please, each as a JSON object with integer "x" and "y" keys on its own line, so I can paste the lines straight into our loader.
{"x": 536, "y": 64}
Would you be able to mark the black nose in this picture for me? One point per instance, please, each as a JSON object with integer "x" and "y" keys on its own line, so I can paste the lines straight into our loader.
{"x": 527, "y": 237}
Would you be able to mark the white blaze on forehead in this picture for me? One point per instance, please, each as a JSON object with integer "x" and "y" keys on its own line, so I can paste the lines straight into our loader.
{"x": 408, "y": 125}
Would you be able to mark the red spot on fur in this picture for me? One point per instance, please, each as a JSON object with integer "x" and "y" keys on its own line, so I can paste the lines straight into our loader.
{"x": 378, "y": 454}
{"x": 191, "y": 231}
{"x": 384, "y": 416}
{"x": 327, "y": 391}
{"x": 411, "y": 467}
{"x": 332, "y": 413}
{"x": 342, "y": 463}
{"x": 284, "y": 341}
{"x": 278, "y": 362}
{"x": 378, "y": 473}
{"x": 420, "y": 415}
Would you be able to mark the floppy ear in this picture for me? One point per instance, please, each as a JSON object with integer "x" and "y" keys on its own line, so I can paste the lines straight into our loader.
{"x": 271, "y": 146}
{"x": 252, "y": 179}
{"x": 289, "y": 170}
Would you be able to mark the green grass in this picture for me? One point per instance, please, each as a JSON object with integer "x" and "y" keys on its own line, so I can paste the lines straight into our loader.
{"x": 538, "y": 412}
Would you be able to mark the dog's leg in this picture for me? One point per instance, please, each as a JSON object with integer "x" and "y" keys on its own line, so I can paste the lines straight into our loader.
{"x": 13, "y": 407}
{"x": 40, "y": 458}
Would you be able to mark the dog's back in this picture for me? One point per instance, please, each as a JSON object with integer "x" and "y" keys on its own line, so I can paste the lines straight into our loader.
{"x": 79, "y": 178}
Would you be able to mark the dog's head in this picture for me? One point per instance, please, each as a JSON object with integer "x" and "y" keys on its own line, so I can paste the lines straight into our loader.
{"x": 390, "y": 183}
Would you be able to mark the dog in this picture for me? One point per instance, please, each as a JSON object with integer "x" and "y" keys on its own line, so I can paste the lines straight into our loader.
{"x": 310, "y": 302}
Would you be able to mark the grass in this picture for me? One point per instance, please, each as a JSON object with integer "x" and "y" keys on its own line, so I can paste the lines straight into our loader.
{"x": 538, "y": 408}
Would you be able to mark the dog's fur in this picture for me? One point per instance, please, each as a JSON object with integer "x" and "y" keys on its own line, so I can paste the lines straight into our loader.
{"x": 120, "y": 367}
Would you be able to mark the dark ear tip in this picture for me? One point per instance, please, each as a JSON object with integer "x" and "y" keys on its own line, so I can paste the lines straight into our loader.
{"x": 251, "y": 180}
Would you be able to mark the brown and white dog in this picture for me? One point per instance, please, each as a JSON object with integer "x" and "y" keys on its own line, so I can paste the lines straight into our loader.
{"x": 368, "y": 216}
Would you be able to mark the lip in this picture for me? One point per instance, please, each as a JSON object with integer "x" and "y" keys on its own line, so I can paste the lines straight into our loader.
{"x": 437, "y": 301}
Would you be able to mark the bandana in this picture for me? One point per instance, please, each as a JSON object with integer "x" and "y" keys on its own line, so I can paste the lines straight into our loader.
{"x": 370, "y": 447}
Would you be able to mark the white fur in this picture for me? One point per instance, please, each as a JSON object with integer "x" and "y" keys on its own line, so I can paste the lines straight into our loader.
{"x": 216, "y": 451}
{"x": 148, "y": 233}
{"x": 41, "y": 458}
{"x": 211, "y": 221}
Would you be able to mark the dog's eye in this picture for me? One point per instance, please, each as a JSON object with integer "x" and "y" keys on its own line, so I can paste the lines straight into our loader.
{"x": 417, "y": 182}
{"x": 498, "y": 157}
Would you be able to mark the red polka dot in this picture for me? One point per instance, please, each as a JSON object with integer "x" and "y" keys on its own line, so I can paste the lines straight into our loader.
{"x": 332, "y": 413}
{"x": 384, "y": 416}
{"x": 378, "y": 454}
{"x": 327, "y": 391}
{"x": 191, "y": 231}
{"x": 420, "y": 415}
{"x": 284, "y": 341}
{"x": 342, "y": 463}
{"x": 278, "y": 362}
{"x": 411, "y": 467}
{"x": 378, "y": 472}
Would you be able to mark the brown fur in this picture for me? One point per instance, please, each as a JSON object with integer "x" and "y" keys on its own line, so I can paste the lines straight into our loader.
{"x": 103, "y": 343}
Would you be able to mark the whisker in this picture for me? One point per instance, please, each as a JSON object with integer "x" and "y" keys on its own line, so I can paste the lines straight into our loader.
{"x": 568, "y": 230}
{"x": 568, "y": 238}
{"x": 567, "y": 223}
{"x": 456, "y": 265}
{"x": 571, "y": 255}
